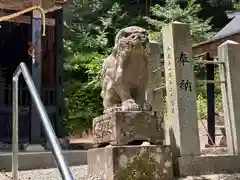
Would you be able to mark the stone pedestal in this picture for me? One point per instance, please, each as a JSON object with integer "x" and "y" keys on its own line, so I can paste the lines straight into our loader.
{"x": 123, "y": 128}
{"x": 131, "y": 163}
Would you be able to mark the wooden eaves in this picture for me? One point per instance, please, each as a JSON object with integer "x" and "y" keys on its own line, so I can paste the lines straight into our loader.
{"x": 18, "y": 5}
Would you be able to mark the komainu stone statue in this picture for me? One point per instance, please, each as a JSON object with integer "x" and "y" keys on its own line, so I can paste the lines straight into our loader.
{"x": 124, "y": 83}
{"x": 125, "y": 71}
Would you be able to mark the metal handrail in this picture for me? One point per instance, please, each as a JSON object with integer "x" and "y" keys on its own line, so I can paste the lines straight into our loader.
{"x": 56, "y": 149}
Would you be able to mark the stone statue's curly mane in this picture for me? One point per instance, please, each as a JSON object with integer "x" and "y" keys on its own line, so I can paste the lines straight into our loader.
{"x": 125, "y": 70}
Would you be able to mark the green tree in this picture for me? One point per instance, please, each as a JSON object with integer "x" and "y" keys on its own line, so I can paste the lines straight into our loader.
{"x": 160, "y": 15}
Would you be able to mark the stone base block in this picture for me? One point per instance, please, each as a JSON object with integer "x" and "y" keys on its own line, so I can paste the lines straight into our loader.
{"x": 41, "y": 160}
{"x": 203, "y": 165}
{"x": 131, "y": 163}
{"x": 4, "y": 177}
{"x": 124, "y": 128}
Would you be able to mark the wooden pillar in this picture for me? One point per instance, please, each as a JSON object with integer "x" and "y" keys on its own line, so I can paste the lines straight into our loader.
{"x": 182, "y": 124}
{"x": 59, "y": 70}
{"x": 210, "y": 101}
{"x": 36, "y": 71}
{"x": 230, "y": 54}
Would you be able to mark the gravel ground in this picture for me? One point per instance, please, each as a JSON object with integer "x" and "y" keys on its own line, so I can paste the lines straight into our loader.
{"x": 80, "y": 173}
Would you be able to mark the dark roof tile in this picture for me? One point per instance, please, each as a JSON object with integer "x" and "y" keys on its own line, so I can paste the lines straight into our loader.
{"x": 231, "y": 28}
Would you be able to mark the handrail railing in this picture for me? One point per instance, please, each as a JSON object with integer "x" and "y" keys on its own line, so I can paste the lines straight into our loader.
{"x": 56, "y": 149}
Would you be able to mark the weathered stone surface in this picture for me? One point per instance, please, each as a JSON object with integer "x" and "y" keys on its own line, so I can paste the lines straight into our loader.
{"x": 200, "y": 165}
{"x": 3, "y": 177}
{"x": 155, "y": 92}
{"x": 182, "y": 125}
{"x": 155, "y": 95}
{"x": 125, "y": 70}
{"x": 39, "y": 160}
{"x": 131, "y": 163}
{"x": 122, "y": 128}
{"x": 228, "y": 52}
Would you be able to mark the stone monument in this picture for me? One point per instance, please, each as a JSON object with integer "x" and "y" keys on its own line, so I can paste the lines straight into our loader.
{"x": 128, "y": 133}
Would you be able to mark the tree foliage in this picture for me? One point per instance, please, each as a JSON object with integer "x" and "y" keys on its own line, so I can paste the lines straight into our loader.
{"x": 162, "y": 15}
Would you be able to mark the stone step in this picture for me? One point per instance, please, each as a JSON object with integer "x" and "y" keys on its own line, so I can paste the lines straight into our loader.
{"x": 38, "y": 160}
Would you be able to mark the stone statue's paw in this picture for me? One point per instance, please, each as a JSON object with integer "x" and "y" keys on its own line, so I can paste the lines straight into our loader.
{"x": 130, "y": 105}
{"x": 146, "y": 143}
{"x": 146, "y": 107}
{"x": 116, "y": 108}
